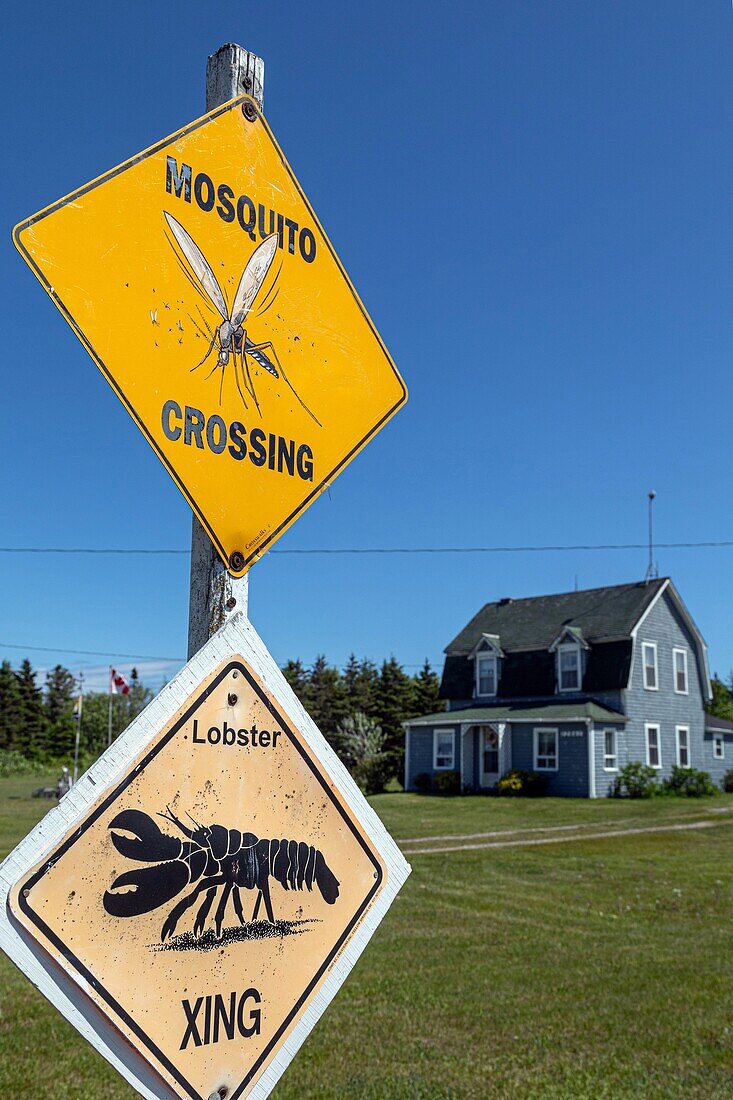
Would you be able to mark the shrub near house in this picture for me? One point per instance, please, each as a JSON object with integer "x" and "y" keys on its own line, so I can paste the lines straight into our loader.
{"x": 574, "y": 687}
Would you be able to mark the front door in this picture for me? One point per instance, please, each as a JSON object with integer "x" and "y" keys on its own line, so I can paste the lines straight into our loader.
{"x": 489, "y": 758}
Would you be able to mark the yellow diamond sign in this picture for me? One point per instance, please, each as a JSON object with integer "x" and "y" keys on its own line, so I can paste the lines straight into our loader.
{"x": 200, "y": 280}
{"x": 211, "y": 897}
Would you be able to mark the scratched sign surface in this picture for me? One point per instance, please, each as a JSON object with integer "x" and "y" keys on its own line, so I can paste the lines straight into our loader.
{"x": 199, "y": 279}
{"x": 202, "y": 902}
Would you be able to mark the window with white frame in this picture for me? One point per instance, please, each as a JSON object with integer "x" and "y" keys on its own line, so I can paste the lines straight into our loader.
{"x": 486, "y": 674}
{"x": 610, "y": 753}
{"x": 568, "y": 668}
{"x": 683, "y": 746}
{"x": 545, "y": 750}
{"x": 443, "y": 749}
{"x": 649, "y": 660}
{"x": 679, "y": 657}
{"x": 718, "y": 746}
{"x": 653, "y": 746}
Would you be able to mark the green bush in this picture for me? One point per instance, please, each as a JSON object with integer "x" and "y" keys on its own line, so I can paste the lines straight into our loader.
{"x": 374, "y": 773}
{"x": 13, "y": 762}
{"x": 728, "y": 781}
{"x": 447, "y": 782}
{"x": 422, "y": 782}
{"x": 636, "y": 780}
{"x": 522, "y": 784}
{"x": 689, "y": 782}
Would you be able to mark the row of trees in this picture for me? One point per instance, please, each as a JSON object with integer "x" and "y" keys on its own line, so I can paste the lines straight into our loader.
{"x": 38, "y": 722}
{"x": 359, "y": 708}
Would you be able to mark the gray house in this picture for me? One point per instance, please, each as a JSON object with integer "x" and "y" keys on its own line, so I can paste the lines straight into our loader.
{"x": 574, "y": 686}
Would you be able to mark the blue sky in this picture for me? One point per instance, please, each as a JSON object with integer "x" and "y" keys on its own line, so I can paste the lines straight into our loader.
{"x": 533, "y": 201}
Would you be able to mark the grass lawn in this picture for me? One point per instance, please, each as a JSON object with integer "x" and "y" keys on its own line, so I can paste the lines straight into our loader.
{"x": 597, "y": 968}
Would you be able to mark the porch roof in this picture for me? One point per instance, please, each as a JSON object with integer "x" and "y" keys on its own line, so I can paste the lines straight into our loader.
{"x": 526, "y": 711}
{"x": 720, "y": 725}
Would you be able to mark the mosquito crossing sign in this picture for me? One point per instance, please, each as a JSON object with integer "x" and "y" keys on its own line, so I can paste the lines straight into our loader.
{"x": 195, "y": 902}
{"x": 198, "y": 277}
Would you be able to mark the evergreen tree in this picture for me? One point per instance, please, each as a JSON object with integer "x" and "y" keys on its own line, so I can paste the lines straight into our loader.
{"x": 327, "y": 698}
{"x": 60, "y": 691}
{"x": 361, "y": 684}
{"x": 11, "y": 708}
{"x": 60, "y": 738}
{"x": 395, "y": 705}
{"x": 298, "y": 679}
{"x": 30, "y": 736}
{"x": 58, "y": 703}
{"x": 426, "y": 692}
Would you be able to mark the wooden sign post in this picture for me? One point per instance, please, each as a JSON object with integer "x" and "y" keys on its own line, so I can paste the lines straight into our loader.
{"x": 215, "y": 594}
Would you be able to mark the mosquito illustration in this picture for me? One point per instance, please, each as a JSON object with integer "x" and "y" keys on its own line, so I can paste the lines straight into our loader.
{"x": 230, "y": 339}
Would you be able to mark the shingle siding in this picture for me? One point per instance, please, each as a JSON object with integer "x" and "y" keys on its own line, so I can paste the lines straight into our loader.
{"x": 421, "y": 751}
{"x": 605, "y": 779}
{"x": 470, "y": 759}
{"x": 712, "y": 764}
{"x": 571, "y": 778}
{"x": 421, "y": 754}
{"x": 665, "y": 707}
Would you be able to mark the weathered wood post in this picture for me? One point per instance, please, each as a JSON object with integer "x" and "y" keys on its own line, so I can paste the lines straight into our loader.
{"x": 214, "y": 593}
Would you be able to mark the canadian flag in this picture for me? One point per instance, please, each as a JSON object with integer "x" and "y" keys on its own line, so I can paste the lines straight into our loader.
{"x": 117, "y": 683}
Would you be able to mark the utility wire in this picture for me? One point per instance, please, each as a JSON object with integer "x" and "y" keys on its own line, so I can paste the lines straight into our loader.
{"x": 129, "y": 656}
{"x": 89, "y": 652}
{"x": 391, "y": 549}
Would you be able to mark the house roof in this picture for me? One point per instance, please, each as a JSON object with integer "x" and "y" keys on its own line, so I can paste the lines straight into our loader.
{"x": 722, "y": 725}
{"x": 541, "y": 710}
{"x": 598, "y": 614}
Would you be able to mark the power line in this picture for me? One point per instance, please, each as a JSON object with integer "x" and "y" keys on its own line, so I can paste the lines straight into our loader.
{"x": 707, "y": 544}
{"x": 81, "y": 550}
{"x": 504, "y": 549}
{"x": 131, "y": 656}
{"x": 89, "y": 652}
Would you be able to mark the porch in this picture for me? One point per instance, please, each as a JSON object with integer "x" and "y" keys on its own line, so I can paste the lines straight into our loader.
{"x": 485, "y": 753}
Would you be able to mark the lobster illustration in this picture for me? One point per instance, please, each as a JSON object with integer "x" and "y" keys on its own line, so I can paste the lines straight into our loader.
{"x": 209, "y": 859}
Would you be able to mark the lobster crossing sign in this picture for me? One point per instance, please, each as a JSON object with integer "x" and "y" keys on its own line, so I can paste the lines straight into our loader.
{"x": 198, "y": 277}
{"x": 209, "y": 898}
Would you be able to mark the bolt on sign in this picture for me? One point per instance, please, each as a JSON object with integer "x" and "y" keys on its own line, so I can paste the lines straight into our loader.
{"x": 198, "y": 277}
{"x": 207, "y": 886}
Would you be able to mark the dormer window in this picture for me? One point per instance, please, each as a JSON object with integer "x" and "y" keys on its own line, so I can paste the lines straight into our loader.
{"x": 485, "y": 656}
{"x": 486, "y": 674}
{"x": 568, "y": 648}
{"x": 568, "y": 667}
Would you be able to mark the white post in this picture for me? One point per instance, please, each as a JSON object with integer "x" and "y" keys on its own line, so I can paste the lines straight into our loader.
{"x": 214, "y": 593}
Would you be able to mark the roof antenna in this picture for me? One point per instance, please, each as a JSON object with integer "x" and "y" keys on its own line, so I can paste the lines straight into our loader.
{"x": 651, "y": 570}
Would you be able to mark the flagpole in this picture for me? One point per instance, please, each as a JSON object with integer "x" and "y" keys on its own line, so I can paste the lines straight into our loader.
{"x": 78, "y": 726}
{"x": 109, "y": 709}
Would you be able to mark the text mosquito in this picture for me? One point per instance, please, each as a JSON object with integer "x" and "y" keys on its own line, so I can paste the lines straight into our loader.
{"x": 230, "y": 339}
